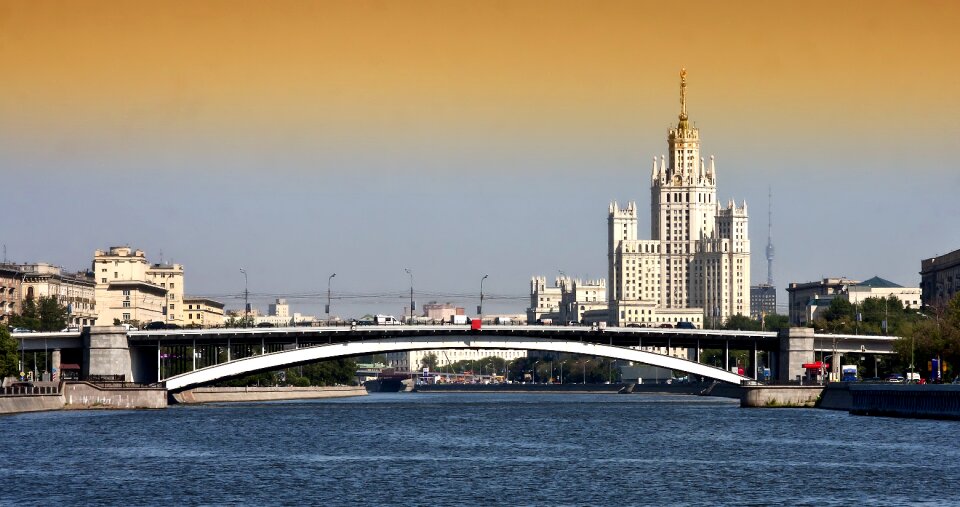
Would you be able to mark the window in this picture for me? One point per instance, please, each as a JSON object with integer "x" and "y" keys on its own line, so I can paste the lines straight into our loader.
{"x": 126, "y": 292}
{"x": 103, "y": 280}
{"x": 171, "y": 285}
{"x": 171, "y": 306}
{"x": 126, "y": 304}
{"x": 126, "y": 316}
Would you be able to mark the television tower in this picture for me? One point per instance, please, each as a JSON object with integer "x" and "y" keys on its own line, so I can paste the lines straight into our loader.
{"x": 769, "y": 237}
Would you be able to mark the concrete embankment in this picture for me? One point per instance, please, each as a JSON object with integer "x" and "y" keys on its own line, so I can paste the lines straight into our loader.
{"x": 519, "y": 388}
{"x": 915, "y": 401}
{"x": 780, "y": 396}
{"x": 248, "y": 394}
{"x": 79, "y": 395}
{"x": 83, "y": 395}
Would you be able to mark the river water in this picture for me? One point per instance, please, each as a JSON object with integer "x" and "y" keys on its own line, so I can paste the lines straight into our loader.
{"x": 477, "y": 449}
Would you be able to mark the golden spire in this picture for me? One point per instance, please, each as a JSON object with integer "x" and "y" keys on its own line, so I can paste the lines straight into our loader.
{"x": 683, "y": 94}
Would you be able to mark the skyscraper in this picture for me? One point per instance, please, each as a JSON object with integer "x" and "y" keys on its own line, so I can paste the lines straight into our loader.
{"x": 698, "y": 259}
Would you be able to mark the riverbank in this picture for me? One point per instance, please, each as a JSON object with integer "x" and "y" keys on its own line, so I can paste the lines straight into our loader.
{"x": 894, "y": 400}
{"x": 250, "y": 394}
{"x": 692, "y": 388}
{"x": 77, "y": 395}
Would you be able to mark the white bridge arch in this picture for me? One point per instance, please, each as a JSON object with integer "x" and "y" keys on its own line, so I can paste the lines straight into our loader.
{"x": 286, "y": 358}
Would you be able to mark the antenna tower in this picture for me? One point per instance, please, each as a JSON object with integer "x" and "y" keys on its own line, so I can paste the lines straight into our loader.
{"x": 769, "y": 236}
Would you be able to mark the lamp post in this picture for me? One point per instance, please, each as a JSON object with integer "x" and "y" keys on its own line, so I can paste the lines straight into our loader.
{"x": 246, "y": 299}
{"x": 535, "y": 371}
{"x": 480, "y": 308}
{"x": 584, "y": 365}
{"x": 411, "y": 293}
{"x": 329, "y": 279}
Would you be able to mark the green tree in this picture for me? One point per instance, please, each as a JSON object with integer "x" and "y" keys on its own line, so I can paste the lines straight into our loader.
{"x": 775, "y": 322}
{"x": 742, "y": 323}
{"x": 45, "y": 314}
{"x": 8, "y": 354}
{"x": 429, "y": 361}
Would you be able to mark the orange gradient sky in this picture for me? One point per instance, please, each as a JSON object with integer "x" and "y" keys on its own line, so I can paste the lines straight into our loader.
{"x": 419, "y": 75}
{"x": 526, "y": 117}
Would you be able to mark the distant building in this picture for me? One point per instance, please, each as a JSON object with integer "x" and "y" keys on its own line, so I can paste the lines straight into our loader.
{"x": 940, "y": 278}
{"x": 203, "y": 312}
{"x": 804, "y": 296}
{"x": 809, "y": 300}
{"x": 413, "y": 360}
{"x": 11, "y": 281}
{"x": 170, "y": 277}
{"x": 441, "y": 312}
{"x": 75, "y": 291}
{"x": 763, "y": 300}
{"x": 569, "y": 300}
{"x": 877, "y": 287}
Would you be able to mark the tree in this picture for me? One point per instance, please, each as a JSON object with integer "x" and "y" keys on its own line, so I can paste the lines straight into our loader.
{"x": 8, "y": 354}
{"x": 742, "y": 323}
{"x": 45, "y": 314}
{"x": 937, "y": 335}
{"x": 775, "y": 322}
{"x": 429, "y": 361}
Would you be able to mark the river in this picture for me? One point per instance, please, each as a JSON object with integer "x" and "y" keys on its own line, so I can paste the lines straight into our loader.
{"x": 477, "y": 449}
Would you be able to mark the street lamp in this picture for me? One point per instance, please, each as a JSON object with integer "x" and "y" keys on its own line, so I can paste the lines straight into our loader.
{"x": 411, "y": 293}
{"x": 329, "y": 279}
{"x": 480, "y": 308}
{"x": 246, "y": 299}
{"x": 535, "y": 371}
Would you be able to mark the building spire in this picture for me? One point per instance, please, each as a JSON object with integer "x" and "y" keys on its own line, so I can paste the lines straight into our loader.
{"x": 683, "y": 94}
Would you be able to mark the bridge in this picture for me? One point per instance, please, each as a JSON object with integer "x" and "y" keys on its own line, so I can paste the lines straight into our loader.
{"x": 186, "y": 358}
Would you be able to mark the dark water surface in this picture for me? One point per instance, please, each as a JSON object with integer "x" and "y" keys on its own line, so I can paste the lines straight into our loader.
{"x": 477, "y": 449}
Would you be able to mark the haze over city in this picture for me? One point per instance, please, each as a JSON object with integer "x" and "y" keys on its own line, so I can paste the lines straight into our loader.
{"x": 460, "y": 139}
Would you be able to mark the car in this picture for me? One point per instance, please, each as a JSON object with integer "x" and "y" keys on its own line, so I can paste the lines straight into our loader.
{"x": 265, "y": 324}
{"x": 895, "y": 378}
{"x": 70, "y": 329}
{"x": 22, "y": 330}
{"x": 686, "y": 325}
{"x": 666, "y": 326}
{"x": 155, "y": 325}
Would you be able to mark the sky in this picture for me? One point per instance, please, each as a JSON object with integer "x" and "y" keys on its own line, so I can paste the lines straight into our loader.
{"x": 458, "y": 139}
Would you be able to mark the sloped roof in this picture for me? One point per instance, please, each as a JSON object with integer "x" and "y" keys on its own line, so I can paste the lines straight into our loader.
{"x": 880, "y": 283}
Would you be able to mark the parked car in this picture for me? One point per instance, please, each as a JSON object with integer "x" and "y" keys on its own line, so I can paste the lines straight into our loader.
{"x": 265, "y": 324}
{"x": 70, "y": 329}
{"x": 686, "y": 325}
{"x": 22, "y": 330}
{"x": 155, "y": 325}
{"x": 895, "y": 378}
{"x": 670, "y": 326}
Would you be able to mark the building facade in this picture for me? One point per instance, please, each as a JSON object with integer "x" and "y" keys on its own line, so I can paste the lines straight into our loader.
{"x": 75, "y": 291}
{"x": 123, "y": 292}
{"x": 170, "y": 277}
{"x": 203, "y": 312}
{"x": 763, "y": 300}
{"x": 441, "y": 312}
{"x": 940, "y": 278}
{"x": 11, "y": 282}
{"x": 413, "y": 360}
{"x": 804, "y": 299}
{"x": 698, "y": 259}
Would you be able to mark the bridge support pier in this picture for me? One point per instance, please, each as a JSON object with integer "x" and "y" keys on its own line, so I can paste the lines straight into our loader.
{"x": 796, "y": 348}
{"x": 106, "y": 353}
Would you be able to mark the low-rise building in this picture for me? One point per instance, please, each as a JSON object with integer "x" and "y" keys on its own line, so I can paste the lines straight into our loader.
{"x": 441, "y": 312}
{"x": 802, "y": 295}
{"x": 203, "y": 312}
{"x": 940, "y": 278}
{"x": 75, "y": 291}
{"x": 809, "y": 300}
{"x": 414, "y": 360}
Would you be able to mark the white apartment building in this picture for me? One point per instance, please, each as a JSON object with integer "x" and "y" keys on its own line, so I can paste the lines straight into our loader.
{"x": 696, "y": 266}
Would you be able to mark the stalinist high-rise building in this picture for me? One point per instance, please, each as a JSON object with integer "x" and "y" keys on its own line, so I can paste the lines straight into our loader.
{"x": 696, "y": 266}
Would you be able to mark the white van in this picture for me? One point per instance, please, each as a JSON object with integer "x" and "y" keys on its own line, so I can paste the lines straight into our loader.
{"x": 386, "y": 320}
